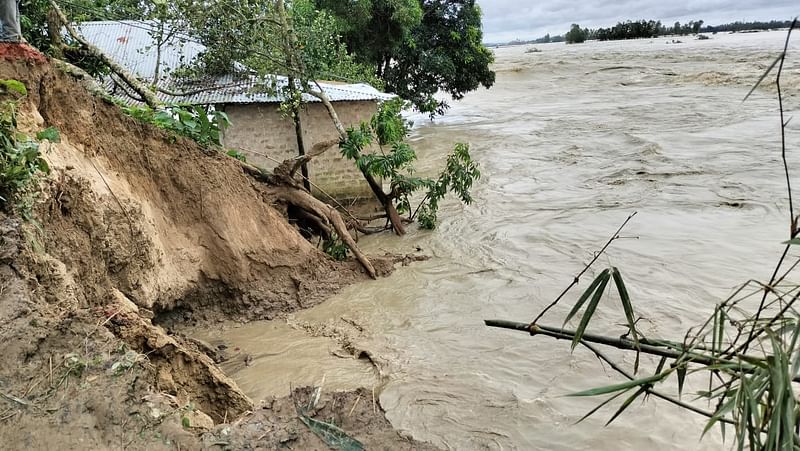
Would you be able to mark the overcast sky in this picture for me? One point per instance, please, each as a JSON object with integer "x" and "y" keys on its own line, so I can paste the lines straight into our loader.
{"x": 505, "y": 20}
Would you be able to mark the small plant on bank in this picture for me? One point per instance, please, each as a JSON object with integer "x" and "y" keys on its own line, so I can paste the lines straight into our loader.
{"x": 334, "y": 247}
{"x": 238, "y": 155}
{"x": 20, "y": 156}
{"x": 393, "y": 162}
{"x": 191, "y": 121}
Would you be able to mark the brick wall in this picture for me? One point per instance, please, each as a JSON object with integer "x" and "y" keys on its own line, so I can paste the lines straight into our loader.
{"x": 259, "y": 130}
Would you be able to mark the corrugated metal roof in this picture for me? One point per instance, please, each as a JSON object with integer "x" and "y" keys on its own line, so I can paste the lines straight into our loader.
{"x": 130, "y": 44}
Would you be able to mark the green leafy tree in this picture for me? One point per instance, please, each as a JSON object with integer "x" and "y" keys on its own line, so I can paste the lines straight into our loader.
{"x": 375, "y": 30}
{"x": 575, "y": 35}
{"x": 446, "y": 54}
{"x": 418, "y": 47}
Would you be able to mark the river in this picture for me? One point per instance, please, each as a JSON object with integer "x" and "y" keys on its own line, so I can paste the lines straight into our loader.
{"x": 571, "y": 140}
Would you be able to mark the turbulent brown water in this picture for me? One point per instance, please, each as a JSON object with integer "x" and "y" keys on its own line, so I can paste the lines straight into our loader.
{"x": 571, "y": 140}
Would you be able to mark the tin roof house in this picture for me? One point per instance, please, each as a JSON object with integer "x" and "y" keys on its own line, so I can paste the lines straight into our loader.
{"x": 258, "y": 129}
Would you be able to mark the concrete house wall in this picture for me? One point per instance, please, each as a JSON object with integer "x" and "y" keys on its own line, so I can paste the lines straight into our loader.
{"x": 260, "y": 129}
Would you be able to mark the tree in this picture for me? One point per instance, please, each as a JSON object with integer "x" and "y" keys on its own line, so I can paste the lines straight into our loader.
{"x": 375, "y": 30}
{"x": 575, "y": 35}
{"x": 418, "y": 47}
{"x": 445, "y": 53}
{"x": 37, "y": 17}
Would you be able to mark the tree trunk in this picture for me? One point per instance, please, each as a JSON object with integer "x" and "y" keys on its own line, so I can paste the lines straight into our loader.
{"x": 377, "y": 189}
{"x": 54, "y": 33}
{"x": 298, "y": 131}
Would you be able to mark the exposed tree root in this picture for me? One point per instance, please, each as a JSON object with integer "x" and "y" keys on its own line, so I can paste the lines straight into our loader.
{"x": 306, "y": 201}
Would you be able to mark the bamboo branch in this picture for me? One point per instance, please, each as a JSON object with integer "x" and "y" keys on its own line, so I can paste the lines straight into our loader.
{"x": 577, "y": 278}
{"x": 655, "y": 393}
{"x": 650, "y": 347}
{"x": 792, "y": 218}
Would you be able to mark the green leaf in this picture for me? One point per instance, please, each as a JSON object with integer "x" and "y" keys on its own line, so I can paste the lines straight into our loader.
{"x": 792, "y": 242}
{"x": 681, "y": 370}
{"x": 719, "y": 414}
{"x": 51, "y": 134}
{"x": 625, "y": 386}
{"x": 42, "y": 165}
{"x": 590, "y": 309}
{"x": 599, "y": 406}
{"x": 586, "y": 294}
{"x": 626, "y": 404}
{"x": 629, "y": 314}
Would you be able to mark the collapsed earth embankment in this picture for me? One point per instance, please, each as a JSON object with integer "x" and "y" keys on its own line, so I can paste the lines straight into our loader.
{"x": 132, "y": 226}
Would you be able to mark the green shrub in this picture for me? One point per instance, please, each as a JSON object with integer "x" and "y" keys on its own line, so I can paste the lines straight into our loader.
{"x": 395, "y": 163}
{"x": 191, "y": 121}
{"x": 238, "y": 155}
{"x": 20, "y": 157}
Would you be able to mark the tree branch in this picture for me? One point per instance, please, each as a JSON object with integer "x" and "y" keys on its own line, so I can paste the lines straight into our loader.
{"x": 149, "y": 97}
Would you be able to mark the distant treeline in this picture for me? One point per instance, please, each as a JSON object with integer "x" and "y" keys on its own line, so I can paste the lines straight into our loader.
{"x": 632, "y": 30}
{"x": 651, "y": 29}
{"x": 744, "y": 26}
{"x": 654, "y": 28}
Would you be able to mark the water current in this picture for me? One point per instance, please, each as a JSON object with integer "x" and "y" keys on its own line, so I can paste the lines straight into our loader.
{"x": 571, "y": 140}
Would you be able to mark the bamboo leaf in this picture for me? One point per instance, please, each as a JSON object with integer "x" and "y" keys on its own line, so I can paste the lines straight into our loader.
{"x": 599, "y": 406}
{"x": 629, "y": 314}
{"x": 681, "y": 370}
{"x": 796, "y": 362}
{"x": 586, "y": 294}
{"x": 626, "y": 404}
{"x": 590, "y": 309}
{"x": 625, "y": 386}
{"x": 719, "y": 414}
{"x": 661, "y": 364}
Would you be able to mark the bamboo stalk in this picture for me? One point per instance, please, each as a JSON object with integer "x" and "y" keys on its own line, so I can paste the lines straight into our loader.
{"x": 651, "y": 347}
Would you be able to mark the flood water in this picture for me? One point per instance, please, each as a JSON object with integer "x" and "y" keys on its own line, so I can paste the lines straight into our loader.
{"x": 571, "y": 140}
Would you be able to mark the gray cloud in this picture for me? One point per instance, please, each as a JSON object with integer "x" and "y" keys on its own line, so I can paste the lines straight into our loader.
{"x": 505, "y": 20}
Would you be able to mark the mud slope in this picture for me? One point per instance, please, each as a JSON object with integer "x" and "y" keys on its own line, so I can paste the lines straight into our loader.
{"x": 133, "y": 226}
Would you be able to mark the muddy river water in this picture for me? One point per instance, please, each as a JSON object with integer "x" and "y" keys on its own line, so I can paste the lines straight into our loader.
{"x": 571, "y": 140}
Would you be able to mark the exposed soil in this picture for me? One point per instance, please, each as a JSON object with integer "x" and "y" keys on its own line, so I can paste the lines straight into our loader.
{"x": 135, "y": 229}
